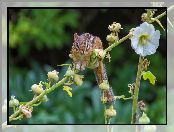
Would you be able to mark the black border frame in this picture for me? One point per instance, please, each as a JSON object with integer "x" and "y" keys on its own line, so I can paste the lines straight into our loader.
{"x": 8, "y": 123}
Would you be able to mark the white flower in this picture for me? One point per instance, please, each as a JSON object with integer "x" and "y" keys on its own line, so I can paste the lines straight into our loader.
{"x": 145, "y": 39}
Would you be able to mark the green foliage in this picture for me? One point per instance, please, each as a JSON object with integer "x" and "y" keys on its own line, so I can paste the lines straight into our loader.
{"x": 41, "y": 28}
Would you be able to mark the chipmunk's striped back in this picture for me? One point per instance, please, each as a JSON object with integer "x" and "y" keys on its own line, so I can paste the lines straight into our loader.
{"x": 82, "y": 49}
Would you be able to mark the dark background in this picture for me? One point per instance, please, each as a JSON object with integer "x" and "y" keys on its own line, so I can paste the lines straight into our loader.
{"x": 40, "y": 39}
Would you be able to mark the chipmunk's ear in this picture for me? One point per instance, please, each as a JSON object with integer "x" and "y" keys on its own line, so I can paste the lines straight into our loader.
{"x": 75, "y": 36}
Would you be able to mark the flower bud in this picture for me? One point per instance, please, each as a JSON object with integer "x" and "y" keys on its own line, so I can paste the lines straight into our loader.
{"x": 13, "y": 102}
{"x": 78, "y": 79}
{"x": 37, "y": 89}
{"x": 144, "y": 17}
{"x": 115, "y": 27}
{"x": 26, "y": 111}
{"x": 149, "y": 128}
{"x": 69, "y": 72}
{"x": 45, "y": 98}
{"x": 53, "y": 76}
{"x": 104, "y": 85}
{"x": 100, "y": 53}
{"x": 144, "y": 119}
{"x": 110, "y": 112}
{"x": 111, "y": 38}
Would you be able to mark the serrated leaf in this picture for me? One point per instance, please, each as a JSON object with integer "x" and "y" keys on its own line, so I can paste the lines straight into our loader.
{"x": 150, "y": 76}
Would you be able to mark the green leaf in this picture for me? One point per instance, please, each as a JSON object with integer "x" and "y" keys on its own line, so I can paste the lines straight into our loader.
{"x": 150, "y": 76}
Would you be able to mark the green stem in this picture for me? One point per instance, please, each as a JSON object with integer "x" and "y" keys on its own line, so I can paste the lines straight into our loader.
{"x": 136, "y": 90}
{"x": 161, "y": 15}
{"x": 14, "y": 109}
{"x": 117, "y": 43}
{"x": 129, "y": 35}
{"x": 39, "y": 97}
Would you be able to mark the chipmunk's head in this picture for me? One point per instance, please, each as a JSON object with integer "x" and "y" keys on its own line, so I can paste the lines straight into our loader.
{"x": 82, "y": 49}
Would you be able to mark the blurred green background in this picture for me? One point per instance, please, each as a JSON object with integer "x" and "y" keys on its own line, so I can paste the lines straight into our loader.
{"x": 40, "y": 39}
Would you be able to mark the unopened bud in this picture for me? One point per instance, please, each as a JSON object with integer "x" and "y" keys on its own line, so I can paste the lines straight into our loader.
{"x": 13, "y": 102}
{"x": 115, "y": 27}
{"x": 100, "y": 53}
{"x": 144, "y": 17}
{"x": 53, "y": 76}
{"x": 111, "y": 38}
{"x": 26, "y": 111}
{"x": 78, "y": 79}
{"x": 37, "y": 89}
{"x": 45, "y": 98}
{"x": 69, "y": 72}
{"x": 104, "y": 85}
{"x": 144, "y": 119}
{"x": 110, "y": 112}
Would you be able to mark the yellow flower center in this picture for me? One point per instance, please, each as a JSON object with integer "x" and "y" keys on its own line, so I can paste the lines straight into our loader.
{"x": 143, "y": 39}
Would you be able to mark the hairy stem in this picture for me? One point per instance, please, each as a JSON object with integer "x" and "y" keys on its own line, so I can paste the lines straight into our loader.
{"x": 136, "y": 90}
{"x": 117, "y": 43}
{"x": 129, "y": 35}
{"x": 39, "y": 97}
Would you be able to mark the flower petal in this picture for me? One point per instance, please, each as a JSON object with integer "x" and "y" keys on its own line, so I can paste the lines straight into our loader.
{"x": 148, "y": 28}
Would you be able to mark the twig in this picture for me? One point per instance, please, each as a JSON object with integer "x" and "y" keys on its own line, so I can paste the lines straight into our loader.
{"x": 39, "y": 97}
{"x": 117, "y": 43}
{"x": 136, "y": 91}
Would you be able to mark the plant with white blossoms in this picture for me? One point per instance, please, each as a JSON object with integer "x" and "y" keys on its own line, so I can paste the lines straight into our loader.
{"x": 145, "y": 39}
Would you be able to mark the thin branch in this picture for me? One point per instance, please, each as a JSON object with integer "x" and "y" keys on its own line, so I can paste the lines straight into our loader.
{"x": 136, "y": 92}
{"x": 129, "y": 35}
{"x": 117, "y": 43}
{"x": 39, "y": 97}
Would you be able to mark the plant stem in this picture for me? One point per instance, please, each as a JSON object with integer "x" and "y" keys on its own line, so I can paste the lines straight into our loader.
{"x": 117, "y": 43}
{"x": 38, "y": 98}
{"x": 136, "y": 90}
{"x": 160, "y": 16}
{"x": 129, "y": 35}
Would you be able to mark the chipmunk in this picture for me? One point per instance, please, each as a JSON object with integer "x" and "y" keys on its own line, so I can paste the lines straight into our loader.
{"x": 81, "y": 52}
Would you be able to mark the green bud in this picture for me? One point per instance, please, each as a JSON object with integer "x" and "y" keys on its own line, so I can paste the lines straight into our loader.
{"x": 78, "y": 79}
{"x": 104, "y": 85}
{"x": 45, "y": 98}
{"x": 144, "y": 119}
{"x": 69, "y": 72}
{"x": 13, "y": 102}
{"x": 37, "y": 89}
